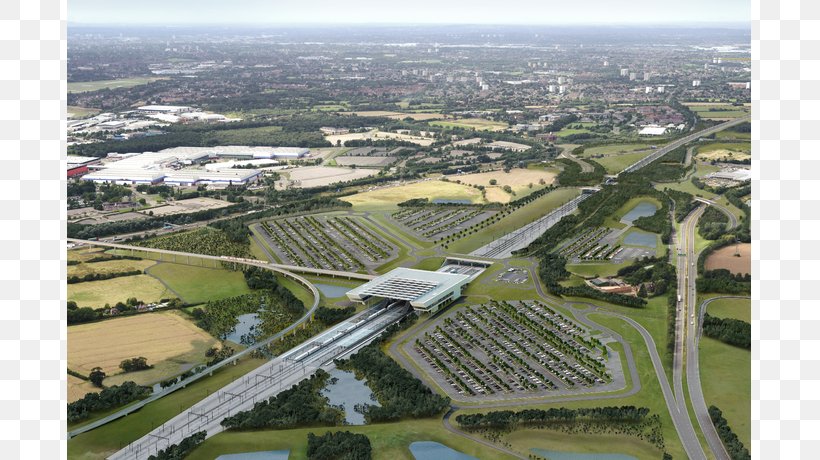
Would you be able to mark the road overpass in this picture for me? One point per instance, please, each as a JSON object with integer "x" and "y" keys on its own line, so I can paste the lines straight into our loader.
{"x": 283, "y": 269}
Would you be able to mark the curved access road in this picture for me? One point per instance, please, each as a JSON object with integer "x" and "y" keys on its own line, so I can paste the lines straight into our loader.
{"x": 683, "y": 425}
{"x": 225, "y": 362}
{"x": 585, "y": 167}
{"x": 695, "y": 388}
{"x": 286, "y": 270}
{"x": 732, "y": 219}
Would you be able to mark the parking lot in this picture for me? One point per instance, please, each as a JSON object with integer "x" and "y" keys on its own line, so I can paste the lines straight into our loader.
{"x": 508, "y": 350}
{"x": 513, "y": 276}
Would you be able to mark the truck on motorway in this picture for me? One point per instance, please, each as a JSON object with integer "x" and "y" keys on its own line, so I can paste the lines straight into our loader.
{"x": 679, "y": 298}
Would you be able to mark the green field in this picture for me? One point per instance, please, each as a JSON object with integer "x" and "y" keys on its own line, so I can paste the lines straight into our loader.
{"x": 514, "y": 221}
{"x": 732, "y": 135}
{"x": 479, "y": 124}
{"x": 613, "y": 149}
{"x": 735, "y": 146}
{"x": 731, "y": 308}
{"x": 75, "y": 112}
{"x": 105, "y": 440}
{"x": 87, "y": 86}
{"x": 430, "y": 263}
{"x": 617, "y": 163}
{"x": 568, "y": 131}
{"x": 726, "y": 379}
{"x": 593, "y": 269}
{"x": 390, "y": 441}
{"x": 523, "y": 440}
{"x": 108, "y": 267}
{"x": 98, "y": 293}
{"x": 199, "y": 284}
{"x": 721, "y": 114}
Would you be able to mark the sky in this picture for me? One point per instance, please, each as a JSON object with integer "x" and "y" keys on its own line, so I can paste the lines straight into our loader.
{"x": 565, "y": 12}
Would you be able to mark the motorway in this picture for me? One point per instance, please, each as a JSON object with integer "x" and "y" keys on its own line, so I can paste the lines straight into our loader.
{"x": 279, "y": 373}
{"x": 732, "y": 219}
{"x": 683, "y": 140}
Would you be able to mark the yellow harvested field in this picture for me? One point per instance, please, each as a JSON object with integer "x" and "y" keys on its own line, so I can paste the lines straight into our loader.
{"x": 497, "y": 195}
{"x": 109, "y": 266}
{"x": 378, "y": 135}
{"x": 162, "y": 338}
{"x": 98, "y": 293}
{"x": 725, "y": 258}
{"x": 516, "y": 178}
{"x": 723, "y": 154}
{"x": 85, "y": 253}
{"x": 432, "y": 189}
{"x": 77, "y": 388}
{"x": 396, "y": 115}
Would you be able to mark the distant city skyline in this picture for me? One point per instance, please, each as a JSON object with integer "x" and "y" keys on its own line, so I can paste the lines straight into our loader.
{"x": 532, "y": 12}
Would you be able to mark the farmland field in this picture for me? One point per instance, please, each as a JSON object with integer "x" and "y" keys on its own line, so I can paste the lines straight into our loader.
{"x": 479, "y": 124}
{"x": 77, "y": 388}
{"x": 518, "y": 179}
{"x": 613, "y": 149}
{"x": 397, "y": 115}
{"x": 432, "y": 189}
{"x": 80, "y": 112}
{"x": 377, "y": 135}
{"x": 108, "y": 266}
{"x": 198, "y": 284}
{"x": 171, "y": 343}
{"x": 98, "y": 293}
{"x": 725, "y": 258}
{"x": 317, "y": 176}
{"x": 87, "y": 86}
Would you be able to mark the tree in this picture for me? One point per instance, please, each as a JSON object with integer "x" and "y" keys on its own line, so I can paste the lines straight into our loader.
{"x": 97, "y": 376}
{"x": 642, "y": 291}
{"x": 493, "y": 182}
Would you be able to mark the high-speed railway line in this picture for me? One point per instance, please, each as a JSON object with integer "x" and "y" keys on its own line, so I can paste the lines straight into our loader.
{"x": 268, "y": 380}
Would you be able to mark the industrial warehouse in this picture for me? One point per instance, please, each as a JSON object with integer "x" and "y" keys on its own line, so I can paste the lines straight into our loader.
{"x": 426, "y": 291}
{"x": 177, "y": 166}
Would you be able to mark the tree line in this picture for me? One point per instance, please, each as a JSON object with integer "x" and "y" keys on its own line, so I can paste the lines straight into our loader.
{"x": 728, "y": 330}
{"x": 508, "y": 419}
{"x": 734, "y": 447}
{"x": 74, "y": 279}
{"x": 722, "y": 280}
{"x": 113, "y": 396}
{"x": 331, "y": 316}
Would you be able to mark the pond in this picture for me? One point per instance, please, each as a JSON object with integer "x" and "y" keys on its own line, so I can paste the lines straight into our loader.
{"x": 637, "y": 238}
{"x": 261, "y": 455}
{"x": 348, "y": 392}
{"x": 429, "y": 450}
{"x": 642, "y": 209}
{"x": 558, "y": 455}
{"x": 247, "y": 324}
{"x": 331, "y": 291}
{"x": 446, "y": 201}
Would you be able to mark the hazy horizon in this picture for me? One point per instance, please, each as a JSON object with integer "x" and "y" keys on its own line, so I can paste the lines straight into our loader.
{"x": 697, "y": 13}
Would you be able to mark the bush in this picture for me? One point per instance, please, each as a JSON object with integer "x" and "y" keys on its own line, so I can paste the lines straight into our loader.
{"x": 135, "y": 364}
{"x": 341, "y": 445}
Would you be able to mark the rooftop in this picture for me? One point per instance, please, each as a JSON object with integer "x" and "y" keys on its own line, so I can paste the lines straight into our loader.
{"x": 416, "y": 286}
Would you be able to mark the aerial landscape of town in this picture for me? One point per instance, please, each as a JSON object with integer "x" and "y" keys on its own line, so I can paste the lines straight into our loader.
{"x": 409, "y": 242}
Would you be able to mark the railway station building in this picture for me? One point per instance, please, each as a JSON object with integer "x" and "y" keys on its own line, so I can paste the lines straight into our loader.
{"x": 426, "y": 291}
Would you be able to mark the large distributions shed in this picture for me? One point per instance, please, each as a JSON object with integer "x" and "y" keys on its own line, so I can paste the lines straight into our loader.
{"x": 426, "y": 291}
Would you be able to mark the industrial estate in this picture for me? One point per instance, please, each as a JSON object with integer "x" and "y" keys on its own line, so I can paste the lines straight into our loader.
{"x": 492, "y": 242}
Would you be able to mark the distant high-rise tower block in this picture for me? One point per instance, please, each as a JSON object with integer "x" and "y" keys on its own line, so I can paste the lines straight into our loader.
{"x": 661, "y": 89}
{"x": 646, "y": 76}
{"x": 561, "y": 89}
{"x": 632, "y": 76}
{"x": 561, "y": 80}
{"x": 695, "y": 82}
{"x": 624, "y": 72}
